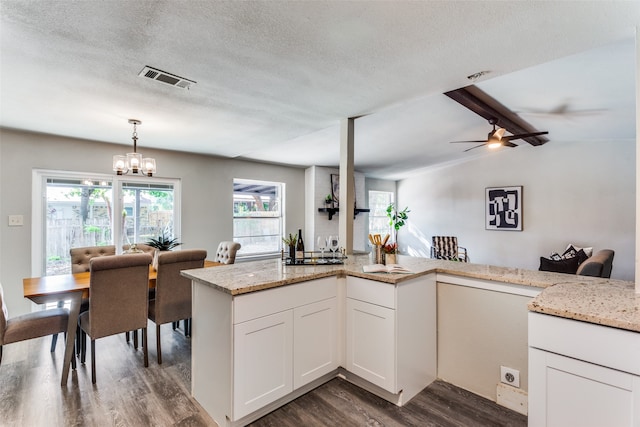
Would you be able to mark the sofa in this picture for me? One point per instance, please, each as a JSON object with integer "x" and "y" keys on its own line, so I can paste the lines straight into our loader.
{"x": 598, "y": 264}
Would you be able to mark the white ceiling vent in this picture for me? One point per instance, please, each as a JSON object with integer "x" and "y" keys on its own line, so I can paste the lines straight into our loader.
{"x": 164, "y": 77}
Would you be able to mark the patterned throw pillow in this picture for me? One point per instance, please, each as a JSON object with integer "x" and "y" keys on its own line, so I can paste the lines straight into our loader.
{"x": 588, "y": 251}
{"x": 573, "y": 252}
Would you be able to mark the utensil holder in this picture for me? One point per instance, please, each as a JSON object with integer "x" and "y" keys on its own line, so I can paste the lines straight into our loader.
{"x": 378, "y": 254}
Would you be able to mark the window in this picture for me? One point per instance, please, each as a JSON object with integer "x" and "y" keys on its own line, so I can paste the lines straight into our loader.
{"x": 378, "y": 219}
{"x": 70, "y": 211}
{"x": 258, "y": 216}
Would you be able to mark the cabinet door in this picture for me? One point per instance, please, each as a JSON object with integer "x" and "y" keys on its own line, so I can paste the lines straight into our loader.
{"x": 569, "y": 392}
{"x": 315, "y": 341}
{"x": 371, "y": 343}
{"x": 263, "y": 365}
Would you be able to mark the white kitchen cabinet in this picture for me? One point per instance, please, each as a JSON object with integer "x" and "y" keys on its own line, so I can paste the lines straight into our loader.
{"x": 370, "y": 343}
{"x": 315, "y": 341}
{"x": 283, "y": 339}
{"x": 263, "y": 361}
{"x": 582, "y": 374}
{"x": 391, "y": 334}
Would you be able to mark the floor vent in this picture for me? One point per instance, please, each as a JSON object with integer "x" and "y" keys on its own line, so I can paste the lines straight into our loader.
{"x": 164, "y": 77}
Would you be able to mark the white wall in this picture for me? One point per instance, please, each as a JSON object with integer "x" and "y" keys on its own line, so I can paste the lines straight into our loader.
{"x": 573, "y": 192}
{"x": 317, "y": 223}
{"x": 207, "y": 194}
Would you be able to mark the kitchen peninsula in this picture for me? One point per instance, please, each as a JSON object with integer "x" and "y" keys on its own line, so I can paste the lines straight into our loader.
{"x": 265, "y": 333}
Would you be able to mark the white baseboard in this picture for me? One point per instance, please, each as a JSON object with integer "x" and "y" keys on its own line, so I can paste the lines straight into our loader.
{"x": 513, "y": 398}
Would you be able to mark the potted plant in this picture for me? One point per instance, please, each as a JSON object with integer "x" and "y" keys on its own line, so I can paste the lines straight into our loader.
{"x": 396, "y": 220}
{"x": 390, "y": 250}
{"x": 328, "y": 200}
{"x": 291, "y": 243}
{"x": 162, "y": 243}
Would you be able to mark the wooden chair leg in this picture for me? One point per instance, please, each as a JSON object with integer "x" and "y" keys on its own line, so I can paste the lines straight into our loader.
{"x": 0, "y": 354}
{"x": 54, "y": 340}
{"x": 126, "y": 336}
{"x": 135, "y": 339}
{"x": 158, "y": 344}
{"x": 145, "y": 347}
{"x": 93, "y": 361}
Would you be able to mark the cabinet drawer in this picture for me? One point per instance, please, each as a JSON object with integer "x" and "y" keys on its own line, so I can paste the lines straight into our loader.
{"x": 262, "y": 303}
{"x": 382, "y": 294}
{"x": 615, "y": 348}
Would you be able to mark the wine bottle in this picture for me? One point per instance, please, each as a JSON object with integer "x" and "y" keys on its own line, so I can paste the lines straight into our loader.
{"x": 300, "y": 248}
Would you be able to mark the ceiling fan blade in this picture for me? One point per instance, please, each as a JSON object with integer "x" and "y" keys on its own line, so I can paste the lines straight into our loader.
{"x": 523, "y": 135}
{"x": 508, "y": 144}
{"x": 456, "y": 142}
{"x": 477, "y": 146}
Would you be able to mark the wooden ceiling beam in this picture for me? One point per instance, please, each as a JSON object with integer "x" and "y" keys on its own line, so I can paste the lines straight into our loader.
{"x": 487, "y": 107}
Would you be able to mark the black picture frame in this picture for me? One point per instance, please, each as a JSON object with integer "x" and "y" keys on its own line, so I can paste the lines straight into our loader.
{"x": 503, "y": 208}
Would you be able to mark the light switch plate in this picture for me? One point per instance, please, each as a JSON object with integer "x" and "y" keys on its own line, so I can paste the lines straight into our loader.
{"x": 16, "y": 221}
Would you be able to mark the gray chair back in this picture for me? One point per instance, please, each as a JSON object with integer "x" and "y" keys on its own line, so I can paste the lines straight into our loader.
{"x": 31, "y": 325}
{"x": 226, "y": 252}
{"x": 173, "y": 291}
{"x": 118, "y": 294}
{"x": 80, "y": 257}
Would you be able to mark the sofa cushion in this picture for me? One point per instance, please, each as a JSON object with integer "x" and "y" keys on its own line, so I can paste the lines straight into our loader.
{"x": 569, "y": 265}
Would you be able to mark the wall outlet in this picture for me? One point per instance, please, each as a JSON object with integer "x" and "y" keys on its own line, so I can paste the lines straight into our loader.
{"x": 510, "y": 376}
{"x": 16, "y": 221}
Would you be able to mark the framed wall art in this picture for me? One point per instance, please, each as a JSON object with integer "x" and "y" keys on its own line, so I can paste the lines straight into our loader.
{"x": 503, "y": 208}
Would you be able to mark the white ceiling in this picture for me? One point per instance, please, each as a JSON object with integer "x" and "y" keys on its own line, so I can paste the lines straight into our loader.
{"x": 274, "y": 78}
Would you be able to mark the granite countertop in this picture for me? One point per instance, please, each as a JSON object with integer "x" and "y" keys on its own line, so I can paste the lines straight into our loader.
{"x": 591, "y": 299}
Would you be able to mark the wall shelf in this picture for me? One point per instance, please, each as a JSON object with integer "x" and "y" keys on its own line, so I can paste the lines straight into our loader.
{"x": 332, "y": 211}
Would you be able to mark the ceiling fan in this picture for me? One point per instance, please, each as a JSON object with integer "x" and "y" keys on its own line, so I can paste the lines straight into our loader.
{"x": 496, "y": 137}
{"x": 492, "y": 110}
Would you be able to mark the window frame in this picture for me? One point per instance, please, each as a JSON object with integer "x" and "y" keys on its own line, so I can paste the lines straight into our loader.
{"x": 372, "y": 215}
{"x": 281, "y": 217}
{"x": 39, "y": 202}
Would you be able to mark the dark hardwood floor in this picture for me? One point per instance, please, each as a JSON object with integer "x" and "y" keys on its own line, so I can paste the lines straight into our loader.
{"x": 127, "y": 394}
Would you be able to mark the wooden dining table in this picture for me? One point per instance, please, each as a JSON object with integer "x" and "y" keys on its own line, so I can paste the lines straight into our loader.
{"x": 71, "y": 287}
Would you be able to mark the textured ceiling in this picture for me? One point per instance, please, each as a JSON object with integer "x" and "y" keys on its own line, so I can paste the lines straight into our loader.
{"x": 275, "y": 78}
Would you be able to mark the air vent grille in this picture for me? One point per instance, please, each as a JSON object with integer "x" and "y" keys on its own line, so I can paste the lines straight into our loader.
{"x": 164, "y": 77}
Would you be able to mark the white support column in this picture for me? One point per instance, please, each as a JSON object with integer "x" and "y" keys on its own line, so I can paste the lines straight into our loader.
{"x": 347, "y": 185}
{"x": 637, "y": 160}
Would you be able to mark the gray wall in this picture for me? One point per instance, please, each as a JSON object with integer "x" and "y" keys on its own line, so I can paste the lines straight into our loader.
{"x": 579, "y": 192}
{"x": 207, "y": 194}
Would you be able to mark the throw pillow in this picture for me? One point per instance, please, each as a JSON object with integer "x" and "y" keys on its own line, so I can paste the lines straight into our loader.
{"x": 569, "y": 253}
{"x": 587, "y": 251}
{"x": 569, "y": 266}
{"x": 582, "y": 256}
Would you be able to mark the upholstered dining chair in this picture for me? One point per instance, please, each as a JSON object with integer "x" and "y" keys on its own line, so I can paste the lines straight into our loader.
{"x": 80, "y": 258}
{"x": 31, "y": 325}
{"x": 173, "y": 291}
{"x": 118, "y": 301}
{"x": 226, "y": 252}
{"x": 446, "y": 247}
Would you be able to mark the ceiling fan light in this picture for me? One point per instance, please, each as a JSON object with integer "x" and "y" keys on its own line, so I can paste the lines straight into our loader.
{"x": 494, "y": 144}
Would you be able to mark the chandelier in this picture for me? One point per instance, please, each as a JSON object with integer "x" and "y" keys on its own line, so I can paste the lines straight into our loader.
{"x": 133, "y": 161}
